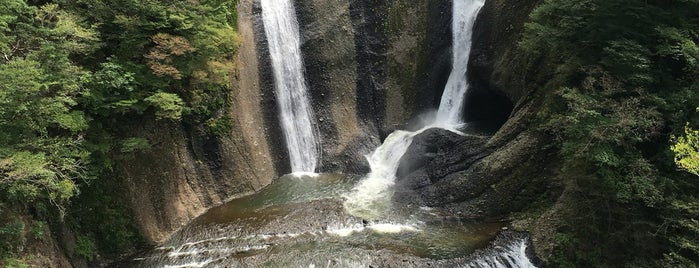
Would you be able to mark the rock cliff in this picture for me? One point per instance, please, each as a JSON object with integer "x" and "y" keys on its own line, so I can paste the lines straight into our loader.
{"x": 372, "y": 67}
{"x": 188, "y": 171}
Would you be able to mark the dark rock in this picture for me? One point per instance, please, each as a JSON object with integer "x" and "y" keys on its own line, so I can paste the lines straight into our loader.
{"x": 494, "y": 53}
{"x": 434, "y": 69}
{"x": 370, "y": 45}
{"x": 437, "y": 153}
{"x": 458, "y": 157}
{"x": 352, "y": 160}
{"x": 424, "y": 148}
{"x": 505, "y": 180}
{"x": 416, "y": 179}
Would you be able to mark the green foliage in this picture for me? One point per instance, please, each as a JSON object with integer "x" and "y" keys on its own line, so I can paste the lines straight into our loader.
{"x": 179, "y": 47}
{"x": 102, "y": 212}
{"x": 601, "y": 133}
{"x": 41, "y": 157}
{"x": 15, "y": 263}
{"x": 167, "y": 105}
{"x": 75, "y": 77}
{"x": 687, "y": 150}
{"x": 626, "y": 72}
{"x": 683, "y": 228}
{"x": 113, "y": 91}
{"x": 134, "y": 144}
{"x": 220, "y": 127}
{"x": 85, "y": 247}
{"x": 39, "y": 229}
{"x": 10, "y": 236}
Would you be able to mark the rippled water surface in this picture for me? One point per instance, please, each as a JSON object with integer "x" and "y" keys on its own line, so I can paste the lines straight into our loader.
{"x": 301, "y": 222}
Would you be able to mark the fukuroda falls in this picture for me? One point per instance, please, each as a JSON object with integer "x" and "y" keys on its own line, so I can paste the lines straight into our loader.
{"x": 309, "y": 219}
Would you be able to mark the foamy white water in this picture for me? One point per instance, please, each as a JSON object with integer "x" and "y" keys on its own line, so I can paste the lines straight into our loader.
{"x": 512, "y": 255}
{"x": 451, "y": 105}
{"x": 371, "y": 198}
{"x": 302, "y": 174}
{"x": 296, "y": 114}
{"x": 382, "y": 228}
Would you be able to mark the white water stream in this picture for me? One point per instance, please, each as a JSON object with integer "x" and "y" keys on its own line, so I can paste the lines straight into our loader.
{"x": 451, "y": 105}
{"x": 295, "y": 111}
{"x": 372, "y": 197}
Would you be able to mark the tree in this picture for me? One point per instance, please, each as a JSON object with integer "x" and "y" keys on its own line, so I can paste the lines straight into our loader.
{"x": 75, "y": 75}
{"x": 624, "y": 75}
{"x": 41, "y": 152}
{"x": 687, "y": 150}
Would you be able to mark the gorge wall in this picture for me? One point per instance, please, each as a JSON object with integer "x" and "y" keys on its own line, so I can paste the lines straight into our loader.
{"x": 188, "y": 171}
{"x": 371, "y": 71}
{"x": 513, "y": 170}
{"x": 364, "y": 77}
{"x": 372, "y": 67}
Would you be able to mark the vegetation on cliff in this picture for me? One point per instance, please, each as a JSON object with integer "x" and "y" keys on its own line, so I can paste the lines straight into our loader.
{"x": 625, "y": 79}
{"x": 74, "y": 76}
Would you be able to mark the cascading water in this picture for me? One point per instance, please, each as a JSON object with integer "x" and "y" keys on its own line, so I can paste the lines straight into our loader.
{"x": 451, "y": 105}
{"x": 507, "y": 251}
{"x": 302, "y": 221}
{"x": 296, "y": 114}
{"x": 372, "y": 197}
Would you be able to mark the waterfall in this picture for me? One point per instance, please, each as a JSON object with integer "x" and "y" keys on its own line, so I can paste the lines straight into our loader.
{"x": 296, "y": 114}
{"x": 372, "y": 196}
{"x": 451, "y": 105}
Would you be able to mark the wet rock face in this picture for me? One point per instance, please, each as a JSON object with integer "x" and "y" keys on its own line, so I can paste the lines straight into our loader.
{"x": 436, "y": 155}
{"x": 418, "y": 59}
{"x": 372, "y": 67}
{"x": 329, "y": 50}
{"x": 183, "y": 174}
{"x": 432, "y": 150}
{"x": 494, "y": 52}
{"x": 470, "y": 178}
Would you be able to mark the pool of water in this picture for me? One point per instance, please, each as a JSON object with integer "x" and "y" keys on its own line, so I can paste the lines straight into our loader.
{"x": 300, "y": 221}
